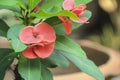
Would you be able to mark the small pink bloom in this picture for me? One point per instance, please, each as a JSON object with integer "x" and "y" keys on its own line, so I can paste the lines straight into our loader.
{"x": 41, "y": 39}
{"x": 78, "y": 10}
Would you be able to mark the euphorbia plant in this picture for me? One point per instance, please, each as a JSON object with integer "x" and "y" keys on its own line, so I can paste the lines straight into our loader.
{"x": 40, "y": 41}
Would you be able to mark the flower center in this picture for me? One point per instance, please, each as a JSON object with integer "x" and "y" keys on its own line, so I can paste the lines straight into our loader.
{"x": 35, "y": 35}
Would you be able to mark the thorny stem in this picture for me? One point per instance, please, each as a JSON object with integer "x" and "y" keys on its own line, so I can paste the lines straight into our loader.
{"x": 27, "y": 19}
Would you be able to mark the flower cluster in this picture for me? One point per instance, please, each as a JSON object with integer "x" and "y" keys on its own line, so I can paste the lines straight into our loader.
{"x": 41, "y": 38}
{"x": 77, "y": 10}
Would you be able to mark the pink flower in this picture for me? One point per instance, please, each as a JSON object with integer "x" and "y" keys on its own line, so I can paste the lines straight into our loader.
{"x": 40, "y": 38}
{"x": 78, "y": 10}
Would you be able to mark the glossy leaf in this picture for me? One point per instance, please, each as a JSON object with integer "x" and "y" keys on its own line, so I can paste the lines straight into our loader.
{"x": 13, "y": 35}
{"x": 59, "y": 59}
{"x": 75, "y": 54}
{"x": 46, "y": 74}
{"x": 29, "y": 69}
{"x": 22, "y": 1}
{"x": 53, "y": 21}
{"x": 48, "y": 63}
{"x": 32, "y": 4}
{"x": 18, "y": 45}
{"x": 22, "y": 4}
{"x": 86, "y": 66}
{"x": 6, "y": 58}
{"x": 47, "y": 6}
{"x": 9, "y": 4}
{"x": 3, "y": 28}
{"x": 82, "y": 1}
{"x": 69, "y": 47}
{"x": 56, "y": 59}
{"x": 45, "y": 14}
{"x": 59, "y": 28}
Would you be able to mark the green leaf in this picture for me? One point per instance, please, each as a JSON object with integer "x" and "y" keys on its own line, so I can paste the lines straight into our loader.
{"x": 68, "y": 46}
{"x": 56, "y": 59}
{"x": 17, "y": 45}
{"x": 74, "y": 53}
{"x": 13, "y": 35}
{"x": 47, "y": 6}
{"x": 88, "y": 14}
{"x": 22, "y": 4}
{"x": 82, "y": 1}
{"x": 53, "y": 21}
{"x": 6, "y": 58}
{"x": 46, "y": 74}
{"x": 9, "y": 4}
{"x": 29, "y": 69}
{"x": 48, "y": 63}
{"x": 59, "y": 28}
{"x": 86, "y": 66}
{"x": 3, "y": 28}
{"x": 59, "y": 59}
{"x": 45, "y": 14}
{"x": 32, "y": 4}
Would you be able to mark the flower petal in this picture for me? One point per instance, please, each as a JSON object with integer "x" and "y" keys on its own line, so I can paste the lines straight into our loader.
{"x": 79, "y": 10}
{"x": 67, "y": 24}
{"x": 44, "y": 51}
{"x": 81, "y": 20}
{"x": 68, "y": 27}
{"x": 68, "y": 4}
{"x": 46, "y": 31}
{"x": 81, "y": 7}
{"x": 27, "y": 36}
{"x": 36, "y": 8}
{"x": 28, "y": 53}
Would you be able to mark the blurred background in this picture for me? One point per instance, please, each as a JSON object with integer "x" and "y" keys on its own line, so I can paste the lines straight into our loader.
{"x": 103, "y": 29}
